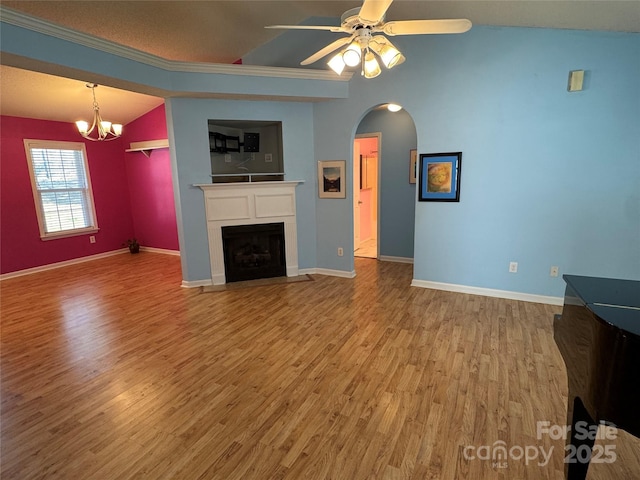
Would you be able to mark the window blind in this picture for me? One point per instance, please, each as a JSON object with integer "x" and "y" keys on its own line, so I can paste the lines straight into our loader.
{"x": 61, "y": 185}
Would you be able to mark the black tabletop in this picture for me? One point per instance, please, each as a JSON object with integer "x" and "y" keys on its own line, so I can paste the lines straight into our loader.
{"x": 615, "y": 301}
{"x": 607, "y": 291}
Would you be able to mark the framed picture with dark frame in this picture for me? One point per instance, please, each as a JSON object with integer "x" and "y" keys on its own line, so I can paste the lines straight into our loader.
{"x": 413, "y": 165}
{"x": 331, "y": 179}
{"x": 440, "y": 177}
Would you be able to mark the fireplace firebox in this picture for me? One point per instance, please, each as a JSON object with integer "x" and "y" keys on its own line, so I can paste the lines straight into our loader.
{"x": 254, "y": 251}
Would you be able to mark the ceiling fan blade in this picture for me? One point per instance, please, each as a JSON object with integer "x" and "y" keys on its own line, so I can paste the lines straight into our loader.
{"x": 373, "y": 11}
{"x": 307, "y": 27}
{"x": 326, "y": 51}
{"x": 421, "y": 27}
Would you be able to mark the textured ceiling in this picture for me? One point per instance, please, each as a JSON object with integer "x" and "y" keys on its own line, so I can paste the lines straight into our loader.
{"x": 36, "y": 95}
{"x": 224, "y": 31}
{"x": 193, "y": 31}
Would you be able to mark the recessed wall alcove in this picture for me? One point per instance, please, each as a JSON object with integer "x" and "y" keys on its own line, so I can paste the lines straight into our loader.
{"x": 245, "y": 150}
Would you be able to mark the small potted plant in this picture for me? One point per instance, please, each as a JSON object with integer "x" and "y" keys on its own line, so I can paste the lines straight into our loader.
{"x": 132, "y": 243}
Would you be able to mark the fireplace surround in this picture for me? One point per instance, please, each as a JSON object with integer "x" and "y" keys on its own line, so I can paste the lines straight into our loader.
{"x": 238, "y": 204}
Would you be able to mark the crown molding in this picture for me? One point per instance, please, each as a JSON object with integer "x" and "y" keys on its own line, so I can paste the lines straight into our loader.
{"x": 44, "y": 27}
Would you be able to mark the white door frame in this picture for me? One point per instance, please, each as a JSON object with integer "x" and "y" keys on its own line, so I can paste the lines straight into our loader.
{"x": 378, "y": 137}
{"x": 356, "y": 196}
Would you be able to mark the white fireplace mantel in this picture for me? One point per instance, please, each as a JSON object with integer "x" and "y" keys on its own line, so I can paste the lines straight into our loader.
{"x": 249, "y": 204}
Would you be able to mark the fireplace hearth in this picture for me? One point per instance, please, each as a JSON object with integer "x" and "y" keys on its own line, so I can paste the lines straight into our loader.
{"x": 254, "y": 251}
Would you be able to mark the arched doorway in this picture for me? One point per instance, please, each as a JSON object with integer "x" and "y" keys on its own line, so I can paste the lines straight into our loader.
{"x": 384, "y": 221}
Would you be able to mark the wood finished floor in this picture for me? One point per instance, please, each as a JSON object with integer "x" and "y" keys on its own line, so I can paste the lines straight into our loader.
{"x": 110, "y": 370}
{"x": 367, "y": 249}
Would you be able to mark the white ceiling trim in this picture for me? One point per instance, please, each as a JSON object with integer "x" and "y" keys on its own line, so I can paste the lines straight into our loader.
{"x": 19, "y": 19}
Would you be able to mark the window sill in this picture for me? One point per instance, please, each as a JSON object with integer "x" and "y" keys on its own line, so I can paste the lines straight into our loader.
{"x": 69, "y": 233}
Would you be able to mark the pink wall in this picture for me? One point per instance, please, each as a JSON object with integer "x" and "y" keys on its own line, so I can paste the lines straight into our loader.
{"x": 150, "y": 185}
{"x": 368, "y": 145}
{"x": 20, "y": 243}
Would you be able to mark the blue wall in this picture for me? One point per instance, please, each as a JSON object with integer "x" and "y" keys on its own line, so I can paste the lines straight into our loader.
{"x": 187, "y": 120}
{"x": 293, "y": 46}
{"x": 60, "y": 55}
{"x": 397, "y": 195}
{"x": 548, "y": 177}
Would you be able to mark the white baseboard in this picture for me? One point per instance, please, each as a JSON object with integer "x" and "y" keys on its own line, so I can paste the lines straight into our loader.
{"x": 488, "y": 292}
{"x": 51, "y": 266}
{"x": 196, "y": 283}
{"x": 164, "y": 251}
{"x": 306, "y": 271}
{"x": 389, "y": 258}
{"x": 329, "y": 272}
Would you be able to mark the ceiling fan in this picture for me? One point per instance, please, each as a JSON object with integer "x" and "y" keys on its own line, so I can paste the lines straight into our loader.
{"x": 365, "y": 27}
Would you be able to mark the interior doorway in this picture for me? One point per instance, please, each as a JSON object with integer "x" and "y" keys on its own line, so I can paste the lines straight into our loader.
{"x": 366, "y": 182}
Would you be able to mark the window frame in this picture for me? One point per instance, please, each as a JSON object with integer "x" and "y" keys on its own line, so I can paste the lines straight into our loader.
{"x": 30, "y": 144}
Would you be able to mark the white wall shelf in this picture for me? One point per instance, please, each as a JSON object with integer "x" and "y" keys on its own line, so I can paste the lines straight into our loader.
{"x": 147, "y": 147}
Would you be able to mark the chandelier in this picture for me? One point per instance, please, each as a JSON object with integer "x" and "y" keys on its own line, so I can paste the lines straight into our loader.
{"x": 361, "y": 52}
{"x": 104, "y": 131}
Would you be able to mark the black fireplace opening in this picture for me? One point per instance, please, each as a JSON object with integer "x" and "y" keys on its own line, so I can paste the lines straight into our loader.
{"x": 254, "y": 251}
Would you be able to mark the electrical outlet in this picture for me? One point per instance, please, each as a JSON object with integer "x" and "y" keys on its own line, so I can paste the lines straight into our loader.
{"x": 513, "y": 267}
{"x": 340, "y": 252}
{"x": 268, "y": 158}
{"x": 253, "y": 156}
{"x": 92, "y": 239}
{"x": 227, "y": 158}
{"x": 553, "y": 272}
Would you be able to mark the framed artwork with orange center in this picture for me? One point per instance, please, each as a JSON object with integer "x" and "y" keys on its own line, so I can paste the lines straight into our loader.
{"x": 440, "y": 177}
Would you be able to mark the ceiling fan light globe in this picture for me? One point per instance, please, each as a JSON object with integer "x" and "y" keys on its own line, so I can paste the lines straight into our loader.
{"x": 337, "y": 63}
{"x": 371, "y": 66}
{"x": 351, "y": 55}
{"x": 390, "y": 56}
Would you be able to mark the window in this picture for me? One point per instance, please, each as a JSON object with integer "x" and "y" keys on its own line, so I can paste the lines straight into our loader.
{"x": 61, "y": 188}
